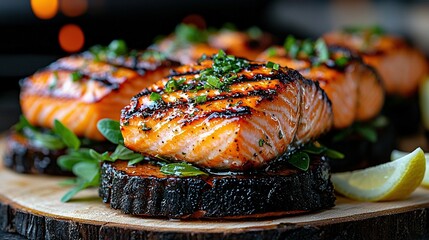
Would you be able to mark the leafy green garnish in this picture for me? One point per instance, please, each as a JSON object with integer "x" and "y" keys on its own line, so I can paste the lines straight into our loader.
{"x": 58, "y": 138}
{"x": 301, "y": 158}
{"x": 366, "y": 130}
{"x": 86, "y": 163}
{"x": 254, "y": 32}
{"x": 200, "y": 99}
{"x": 271, "y": 52}
{"x": 272, "y": 65}
{"x": 188, "y": 33}
{"x": 111, "y": 130}
{"x": 76, "y": 76}
{"x": 181, "y": 170}
{"x": 155, "y": 97}
{"x": 316, "y": 51}
{"x": 67, "y": 136}
{"x": 118, "y": 47}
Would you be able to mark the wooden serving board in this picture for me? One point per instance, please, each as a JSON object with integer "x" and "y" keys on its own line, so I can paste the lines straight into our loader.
{"x": 30, "y": 205}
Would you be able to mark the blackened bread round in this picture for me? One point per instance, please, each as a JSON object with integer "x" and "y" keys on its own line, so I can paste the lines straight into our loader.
{"x": 143, "y": 190}
{"x": 24, "y": 157}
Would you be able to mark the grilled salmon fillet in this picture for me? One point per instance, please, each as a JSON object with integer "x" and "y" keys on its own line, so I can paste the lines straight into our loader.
{"x": 354, "y": 89}
{"x": 80, "y": 90}
{"x": 260, "y": 115}
{"x": 241, "y": 44}
{"x": 401, "y": 66}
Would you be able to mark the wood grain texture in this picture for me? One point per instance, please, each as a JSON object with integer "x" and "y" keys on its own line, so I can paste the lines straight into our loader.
{"x": 30, "y": 206}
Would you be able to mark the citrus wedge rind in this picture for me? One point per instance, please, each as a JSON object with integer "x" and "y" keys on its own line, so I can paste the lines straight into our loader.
{"x": 398, "y": 154}
{"x": 389, "y": 181}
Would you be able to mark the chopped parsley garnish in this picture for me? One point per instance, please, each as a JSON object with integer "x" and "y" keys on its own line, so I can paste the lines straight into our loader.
{"x": 155, "y": 96}
{"x": 254, "y": 32}
{"x": 223, "y": 71}
{"x": 200, "y": 99}
{"x": 316, "y": 51}
{"x": 272, "y": 65}
{"x": 301, "y": 158}
{"x": 76, "y": 76}
{"x": 188, "y": 33}
{"x": 271, "y": 52}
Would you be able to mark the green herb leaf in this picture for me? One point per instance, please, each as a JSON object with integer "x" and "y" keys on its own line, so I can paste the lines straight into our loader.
{"x": 70, "y": 194}
{"x": 261, "y": 142}
{"x": 123, "y": 153}
{"x": 291, "y": 46}
{"x": 312, "y": 149}
{"x": 155, "y": 96}
{"x": 181, "y": 169}
{"x": 341, "y": 61}
{"x": 187, "y": 33}
{"x": 272, "y": 65}
{"x": 271, "y": 52}
{"x": 200, "y": 99}
{"x": 134, "y": 161}
{"x": 300, "y": 160}
{"x": 118, "y": 47}
{"x": 368, "y": 133}
{"x": 254, "y": 32}
{"x": 22, "y": 124}
{"x": 87, "y": 171}
{"x": 67, "y": 136}
{"x": 321, "y": 50}
{"x": 111, "y": 130}
{"x": 76, "y": 76}
{"x": 330, "y": 153}
{"x": 49, "y": 141}
{"x": 214, "y": 82}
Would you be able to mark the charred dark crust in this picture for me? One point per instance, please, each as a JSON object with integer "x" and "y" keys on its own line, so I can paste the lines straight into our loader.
{"x": 241, "y": 196}
{"x": 23, "y": 157}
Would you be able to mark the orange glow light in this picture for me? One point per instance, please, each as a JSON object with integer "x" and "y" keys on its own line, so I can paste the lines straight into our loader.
{"x": 73, "y": 8}
{"x": 44, "y": 9}
{"x": 71, "y": 38}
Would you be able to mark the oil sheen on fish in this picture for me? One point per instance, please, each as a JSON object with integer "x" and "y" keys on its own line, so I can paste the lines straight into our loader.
{"x": 239, "y": 121}
{"x": 80, "y": 90}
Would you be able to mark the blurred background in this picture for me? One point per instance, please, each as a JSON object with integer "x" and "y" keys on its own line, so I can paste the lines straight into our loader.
{"x": 36, "y": 32}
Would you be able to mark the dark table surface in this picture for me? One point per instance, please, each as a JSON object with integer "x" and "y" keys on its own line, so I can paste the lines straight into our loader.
{"x": 10, "y": 236}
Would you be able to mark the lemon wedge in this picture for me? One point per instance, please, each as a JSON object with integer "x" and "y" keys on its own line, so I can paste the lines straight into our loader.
{"x": 389, "y": 181}
{"x": 398, "y": 154}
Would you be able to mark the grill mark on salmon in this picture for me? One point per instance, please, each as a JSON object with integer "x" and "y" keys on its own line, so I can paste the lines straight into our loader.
{"x": 356, "y": 91}
{"x": 281, "y": 108}
{"x": 100, "y": 91}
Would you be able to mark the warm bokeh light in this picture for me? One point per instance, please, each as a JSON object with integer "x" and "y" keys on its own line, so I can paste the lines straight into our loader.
{"x": 44, "y": 9}
{"x": 196, "y": 20}
{"x": 71, "y": 38}
{"x": 73, "y": 8}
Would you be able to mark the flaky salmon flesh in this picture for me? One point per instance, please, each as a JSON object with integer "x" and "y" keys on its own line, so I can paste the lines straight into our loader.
{"x": 355, "y": 90}
{"x": 401, "y": 67}
{"x": 262, "y": 114}
{"x": 79, "y": 91}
